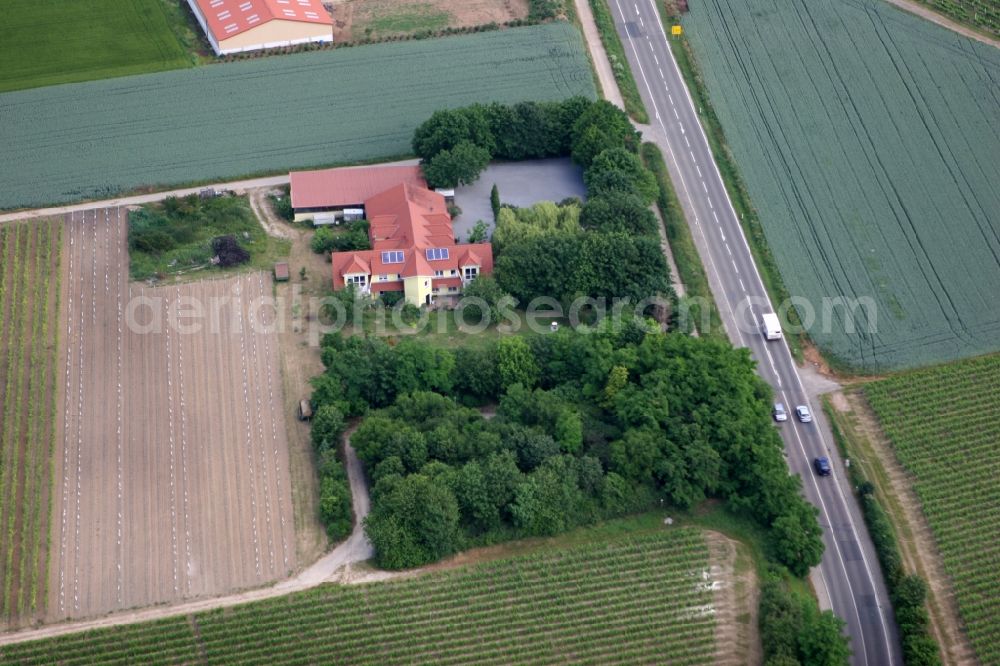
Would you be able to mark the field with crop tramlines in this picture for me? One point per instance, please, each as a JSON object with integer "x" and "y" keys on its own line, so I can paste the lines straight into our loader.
{"x": 29, "y": 321}
{"x": 93, "y": 140}
{"x": 637, "y": 599}
{"x": 944, "y": 424}
{"x": 868, "y": 141}
{"x": 171, "y": 454}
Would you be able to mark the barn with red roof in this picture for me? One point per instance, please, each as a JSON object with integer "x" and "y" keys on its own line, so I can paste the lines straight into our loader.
{"x": 233, "y": 26}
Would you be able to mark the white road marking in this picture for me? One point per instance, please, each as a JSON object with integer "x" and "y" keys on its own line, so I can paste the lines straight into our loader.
{"x": 704, "y": 187}
{"x": 660, "y": 71}
{"x": 676, "y": 115}
{"x": 655, "y": 59}
{"x": 671, "y": 98}
{"x": 798, "y": 380}
{"x": 686, "y": 141}
{"x": 681, "y": 126}
{"x": 698, "y": 169}
{"x": 730, "y": 252}
{"x": 742, "y": 286}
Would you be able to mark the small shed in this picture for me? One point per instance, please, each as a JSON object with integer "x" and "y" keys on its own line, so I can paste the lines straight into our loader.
{"x": 305, "y": 410}
{"x": 281, "y": 271}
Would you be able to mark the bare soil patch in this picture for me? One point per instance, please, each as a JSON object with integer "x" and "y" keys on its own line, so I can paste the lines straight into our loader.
{"x": 299, "y": 363}
{"x": 377, "y": 19}
{"x": 171, "y": 456}
{"x": 736, "y": 597}
{"x": 917, "y": 546}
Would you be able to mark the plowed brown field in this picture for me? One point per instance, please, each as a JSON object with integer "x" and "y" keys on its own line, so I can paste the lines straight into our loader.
{"x": 171, "y": 457}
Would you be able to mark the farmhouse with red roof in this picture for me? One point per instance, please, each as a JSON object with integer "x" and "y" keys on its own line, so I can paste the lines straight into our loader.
{"x": 248, "y": 25}
{"x": 413, "y": 249}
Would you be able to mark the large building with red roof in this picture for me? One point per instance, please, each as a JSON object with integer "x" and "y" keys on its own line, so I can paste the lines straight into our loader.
{"x": 233, "y": 26}
{"x": 413, "y": 249}
{"x": 323, "y": 195}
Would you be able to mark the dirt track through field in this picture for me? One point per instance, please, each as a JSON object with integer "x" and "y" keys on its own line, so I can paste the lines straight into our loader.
{"x": 171, "y": 462}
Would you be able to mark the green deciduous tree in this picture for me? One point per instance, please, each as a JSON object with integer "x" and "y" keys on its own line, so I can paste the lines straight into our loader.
{"x": 460, "y": 165}
{"x": 415, "y": 521}
{"x": 515, "y": 363}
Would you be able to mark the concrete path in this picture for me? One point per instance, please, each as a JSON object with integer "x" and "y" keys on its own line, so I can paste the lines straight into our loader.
{"x": 357, "y": 548}
{"x": 605, "y": 75}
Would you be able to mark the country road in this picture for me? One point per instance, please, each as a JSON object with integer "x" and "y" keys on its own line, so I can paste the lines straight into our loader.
{"x": 355, "y": 549}
{"x": 848, "y": 580}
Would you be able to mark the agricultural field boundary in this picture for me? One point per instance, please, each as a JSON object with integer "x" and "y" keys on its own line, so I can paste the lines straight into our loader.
{"x": 667, "y": 570}
{"x": 942, "y": 426}
{"x": 926, "y": 9}
{"x": 45, "y": 44}
{"x": 99, "y": 139}
{"x": 29, "y": 325}
{"x": 860, "y": 437}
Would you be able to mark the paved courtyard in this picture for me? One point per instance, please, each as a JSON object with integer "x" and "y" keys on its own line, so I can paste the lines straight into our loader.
{"x": 520, "y": 184}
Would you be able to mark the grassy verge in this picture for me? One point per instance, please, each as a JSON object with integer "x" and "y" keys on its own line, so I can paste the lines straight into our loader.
{"x": 885, "y": 520}
{"x": 699, "y": 302}
{"x": 619, "y": 63}
{"x": 173, "y": 238}
{"x": 735, "y": 186}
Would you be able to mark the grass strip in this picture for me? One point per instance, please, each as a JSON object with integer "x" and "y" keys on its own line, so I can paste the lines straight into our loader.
{"x": 619, "y": 63}
{"x": 698, "y": 302}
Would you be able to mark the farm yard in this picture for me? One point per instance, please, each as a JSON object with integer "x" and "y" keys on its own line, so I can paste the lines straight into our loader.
{"x": 98, "y": 139}
{"x": 943, "y": 426}
{"x": 29, "y": 322}
{"x": 868, "y": 141}
{"x": 630, "y": 599}
{"x": 43, "y": 44}
{"x": 171, "y": 459}
{"x": 377, "y": 19}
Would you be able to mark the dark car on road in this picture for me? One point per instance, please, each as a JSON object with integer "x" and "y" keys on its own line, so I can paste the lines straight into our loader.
{"x": 822, "y": 465}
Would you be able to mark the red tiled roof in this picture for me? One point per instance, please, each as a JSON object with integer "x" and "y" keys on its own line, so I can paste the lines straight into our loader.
{"x": 411, "y": 220}
{"x": 406, "y": 216}
{"x": 394, "y": 285}
{"x": 348, "y": 186}
{"x": 227, "y": 18}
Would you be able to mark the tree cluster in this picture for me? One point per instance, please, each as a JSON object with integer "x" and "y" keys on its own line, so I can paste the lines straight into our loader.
{"x": 588, "y": 426}
{"x": 609, "y": 248}
{"x": 455, "y": 145}
{"x": 793, "y": 631}
{"x": 334, "y": 490}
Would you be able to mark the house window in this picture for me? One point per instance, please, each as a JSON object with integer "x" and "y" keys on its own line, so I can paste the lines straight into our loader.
{"x": 471, "y": 272}
{"x": 383, "y": 278}
{"x": 452, "y": 288}
{"x": 359, "y": 280}
{"x": 392, "y": 257}
{"x": 436, "y": 253}
{"x": 438, "y": 273}
{"x": 454, "y": 272}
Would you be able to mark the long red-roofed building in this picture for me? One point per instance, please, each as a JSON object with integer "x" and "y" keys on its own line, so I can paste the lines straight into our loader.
{"x": 413, "y": 249}
{"x": 233, "y": 26}
{"x": 323, "y": 195}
